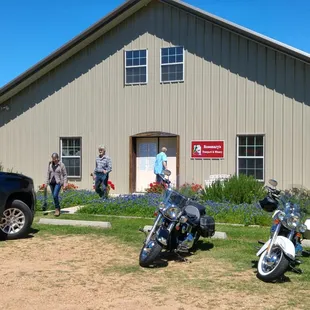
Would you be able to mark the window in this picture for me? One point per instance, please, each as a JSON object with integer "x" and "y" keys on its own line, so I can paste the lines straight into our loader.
{"x": 70, "y": 150}
{"x": 251, "y": 156}
{"x": 172, "y": 64}
{"x": 136, "y": 67}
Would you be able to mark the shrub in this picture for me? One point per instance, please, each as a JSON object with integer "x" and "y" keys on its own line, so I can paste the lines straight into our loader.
{"x": 1, "y": 167}
{"x": 237, "y": 190}
{"x": 190, "y": 190}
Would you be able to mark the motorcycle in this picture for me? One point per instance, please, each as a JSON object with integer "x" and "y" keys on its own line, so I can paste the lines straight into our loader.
{"x": 179, "y": 223}
{"x": 284, "y": 245}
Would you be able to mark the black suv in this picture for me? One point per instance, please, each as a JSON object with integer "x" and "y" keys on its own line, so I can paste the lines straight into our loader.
{"x": 17, "y": 205}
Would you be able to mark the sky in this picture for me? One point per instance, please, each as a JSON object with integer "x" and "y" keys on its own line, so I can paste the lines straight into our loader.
{"x": 31, "y": 30}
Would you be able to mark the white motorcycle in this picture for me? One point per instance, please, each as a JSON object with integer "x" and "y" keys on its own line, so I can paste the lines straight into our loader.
{"x": 280, "y": 251}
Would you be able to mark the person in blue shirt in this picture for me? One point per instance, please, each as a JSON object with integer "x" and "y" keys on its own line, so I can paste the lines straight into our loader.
{"x": 160, "y": 164}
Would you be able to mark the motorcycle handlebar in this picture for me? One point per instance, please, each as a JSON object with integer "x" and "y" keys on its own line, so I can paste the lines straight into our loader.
{"x": 272, "y": 191}
{"x": 164, "y": 179}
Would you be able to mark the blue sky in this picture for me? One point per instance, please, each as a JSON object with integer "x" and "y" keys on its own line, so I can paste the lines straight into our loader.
{"x": 31, "y": 30}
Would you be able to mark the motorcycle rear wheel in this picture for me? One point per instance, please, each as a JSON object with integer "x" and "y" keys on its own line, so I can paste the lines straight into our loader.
{"x": 149, "y": 253}
{"x": 273, "y": 268}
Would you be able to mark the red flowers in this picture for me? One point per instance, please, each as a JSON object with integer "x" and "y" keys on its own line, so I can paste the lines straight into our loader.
{"x": 111, "y": 185}
{"x": 156, "y": 188}
{"x": 70, "y": 186}
{"x": 42, "y": 187}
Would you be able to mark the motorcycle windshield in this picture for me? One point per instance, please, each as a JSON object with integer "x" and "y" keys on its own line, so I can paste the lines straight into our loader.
{"x": 174, "y": 198}
{"x": 290, "y": 206}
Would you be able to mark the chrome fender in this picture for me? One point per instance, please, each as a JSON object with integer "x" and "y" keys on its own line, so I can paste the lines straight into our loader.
{"x": 285, "y": 244}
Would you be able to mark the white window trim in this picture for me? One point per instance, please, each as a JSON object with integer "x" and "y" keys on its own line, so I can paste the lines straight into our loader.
{"x": 175, "y": 63}
{"x": 139, "y": 66}
{"x": 251, "y": 157}
{"x": 79, "y": 157}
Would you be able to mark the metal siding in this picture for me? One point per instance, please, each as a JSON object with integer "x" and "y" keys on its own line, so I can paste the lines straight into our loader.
{"x": 232, "y": 86}
{"x": 287, "y": 164}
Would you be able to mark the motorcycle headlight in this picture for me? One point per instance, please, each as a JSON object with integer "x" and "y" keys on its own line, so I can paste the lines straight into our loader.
{"x": 280, "y": 216}
{"x": 172, "y": 212}
{"x": 292, "y": 221}
{"x": 302, "y": 228}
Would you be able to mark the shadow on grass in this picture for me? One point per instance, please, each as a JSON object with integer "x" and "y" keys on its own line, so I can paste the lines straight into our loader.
{"x": 166, "y": 257}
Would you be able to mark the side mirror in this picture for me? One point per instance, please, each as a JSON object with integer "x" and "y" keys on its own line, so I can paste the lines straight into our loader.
{"x": 167, "y": 172}
{"x": 273, "y": 182}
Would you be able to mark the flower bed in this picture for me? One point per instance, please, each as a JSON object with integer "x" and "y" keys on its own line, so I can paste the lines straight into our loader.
{"x": 228, "y": 204}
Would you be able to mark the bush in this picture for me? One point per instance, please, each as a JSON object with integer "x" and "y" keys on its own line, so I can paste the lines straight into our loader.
{"x": 192, "y": 191}
{"x": 237, "y": 190}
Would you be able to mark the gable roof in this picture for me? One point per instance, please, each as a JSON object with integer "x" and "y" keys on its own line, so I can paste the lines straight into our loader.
{"x": 113, "y": 19}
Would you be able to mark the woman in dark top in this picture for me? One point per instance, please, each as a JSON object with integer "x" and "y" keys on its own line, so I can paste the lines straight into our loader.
{"x": 56, "y": 178}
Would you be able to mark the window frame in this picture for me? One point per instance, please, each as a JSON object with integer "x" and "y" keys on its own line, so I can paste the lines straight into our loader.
{"x": 80, "y": 157}
{"x": 252, "y": 157}
{"x": 175, "y": 63}
{"x": 139, "y": 66}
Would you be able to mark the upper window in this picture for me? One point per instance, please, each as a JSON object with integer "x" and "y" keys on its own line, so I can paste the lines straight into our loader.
{"x": 251, "y": 156}
{"x": 172, "y": 64}
{"x": 71, "y": 156}
{"x": 136, "y": 67}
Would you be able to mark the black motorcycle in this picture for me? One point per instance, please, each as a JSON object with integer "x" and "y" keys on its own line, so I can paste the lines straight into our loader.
{"x": 179, "y": 224}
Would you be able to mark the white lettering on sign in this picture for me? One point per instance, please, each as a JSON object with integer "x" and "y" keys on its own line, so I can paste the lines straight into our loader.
{"x": 212, "y": 147}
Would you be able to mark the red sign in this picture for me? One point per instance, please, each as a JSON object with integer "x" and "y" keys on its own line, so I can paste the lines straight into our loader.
{"x": 210, "y": 149}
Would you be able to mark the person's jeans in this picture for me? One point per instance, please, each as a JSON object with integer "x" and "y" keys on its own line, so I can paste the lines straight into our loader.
{"x": 101, "y": 184}
{"x": 55, "y": 188}
{"x": 158, "y": 178}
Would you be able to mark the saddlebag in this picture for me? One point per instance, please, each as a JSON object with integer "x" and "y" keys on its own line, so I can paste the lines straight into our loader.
{"x": 207, "y": 226}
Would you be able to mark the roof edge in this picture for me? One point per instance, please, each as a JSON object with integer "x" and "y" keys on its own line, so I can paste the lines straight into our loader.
{"x": 48, "y": 63}
{"x": 67, "y": 47}
{"x": 240, "y": 30}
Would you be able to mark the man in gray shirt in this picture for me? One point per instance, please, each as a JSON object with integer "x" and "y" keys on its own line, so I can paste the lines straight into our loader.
{"x": 101, "y": 172}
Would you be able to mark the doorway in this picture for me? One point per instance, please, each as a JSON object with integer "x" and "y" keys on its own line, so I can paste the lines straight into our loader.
{"x": 143, "y": 151}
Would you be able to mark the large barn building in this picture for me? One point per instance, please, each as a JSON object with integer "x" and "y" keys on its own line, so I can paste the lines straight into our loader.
{"x": 153, "y": 73}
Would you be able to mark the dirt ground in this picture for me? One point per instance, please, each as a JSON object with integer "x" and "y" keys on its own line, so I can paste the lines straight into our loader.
{"x": 87, "y": 272}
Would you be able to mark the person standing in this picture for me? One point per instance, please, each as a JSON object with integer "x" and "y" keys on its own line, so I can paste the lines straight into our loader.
{"x": 101, "y": 172}
{"x": 160, "y": 164}
{"x": 56, "y": 178}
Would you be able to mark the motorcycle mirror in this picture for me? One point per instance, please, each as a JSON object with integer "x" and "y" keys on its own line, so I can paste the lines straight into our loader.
{"x": 167, "y": 172}
{"x": 273, "y": 182}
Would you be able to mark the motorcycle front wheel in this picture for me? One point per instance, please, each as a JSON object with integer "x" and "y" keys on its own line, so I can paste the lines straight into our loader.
{"x": 149, "y": 253}
{"x": 272, "y": 268}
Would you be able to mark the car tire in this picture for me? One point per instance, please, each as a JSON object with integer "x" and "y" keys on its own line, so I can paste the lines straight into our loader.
{"x": 16, "y": 221}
